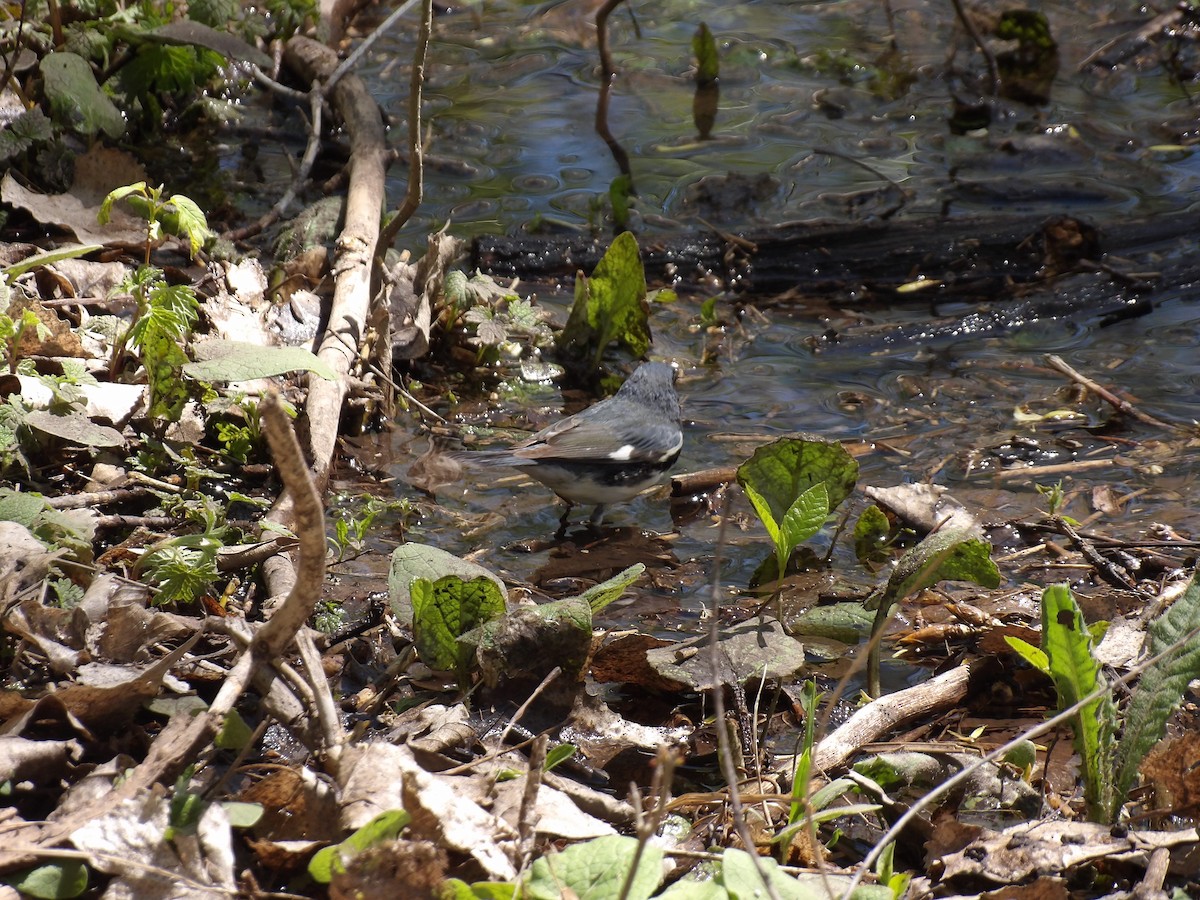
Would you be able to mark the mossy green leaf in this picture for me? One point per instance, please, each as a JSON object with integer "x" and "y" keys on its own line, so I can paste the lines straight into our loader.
{"x": 610, "y": 306}
{"x": 413, "y": 560}
{"x": 600, "y": 595}
{"x": 445, "y": 610}
{"x": 1162, "y": 686}
{"x": 871, "y": 532}
{"x": 951, "y": 554}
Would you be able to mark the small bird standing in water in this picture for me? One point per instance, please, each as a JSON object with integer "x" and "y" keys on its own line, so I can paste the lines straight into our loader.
{"x": 609, "y": 452}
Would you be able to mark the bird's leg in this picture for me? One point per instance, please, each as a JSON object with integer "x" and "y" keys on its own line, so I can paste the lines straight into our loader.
{"x": 597, "y": 516}
{"x": 562, "y": 523}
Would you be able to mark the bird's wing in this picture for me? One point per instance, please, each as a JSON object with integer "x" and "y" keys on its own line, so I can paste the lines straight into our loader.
{"x": 584, "y": 438}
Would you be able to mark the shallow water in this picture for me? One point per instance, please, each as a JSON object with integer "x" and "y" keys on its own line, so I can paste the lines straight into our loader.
{"x": 511, "y": 95}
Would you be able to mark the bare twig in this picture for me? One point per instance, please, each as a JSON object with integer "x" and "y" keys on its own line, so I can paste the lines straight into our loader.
{"x": 607, "y": 76}
{"x": 353, "y": 59}
{"x": 316, "y": 98}
{"x": 416, "y": 150}
{"x": 528, "y": 816}
{"x": 989, "y": 57}
{"x": 1058, "y": 364}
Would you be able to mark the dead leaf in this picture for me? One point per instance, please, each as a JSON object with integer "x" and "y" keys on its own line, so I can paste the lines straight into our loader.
{"x": 70, "y": 212}
{"x": 132, "y": 839}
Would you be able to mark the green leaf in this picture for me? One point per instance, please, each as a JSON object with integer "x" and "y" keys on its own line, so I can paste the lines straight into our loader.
{"x": 445, "y": 610}
{"x": 76, "y": 100}
{"x": 22, "y": 507}
{"x": 47, "y": 258}
{"x": 1035, "y": 656}
{"x": 412, "y": 560}
{"x": 106, "y": 207}
{"x": 600, "y": 595}
{"x": 1076, "y": 673}
{"x": 232, "y": 361}
{"x": 1162, "y": 686}
{"x": 793, "y": 484}
{"x": 456, "y": 889}
{"x": 610, "y": 306}
{"x": 29, "y": 128}
{"x": 163, "y": 360}
{"x": 558, "y": 755}
{"x": 56, "y": 881}
{"x": 332, "y": 860}
{"x": 704, "y": 48}
{"x": 781, "y": 471}
{"x": 806, "y": 516}
{"x": 234, "y": 733}
{"x": 595, "y": 870}
{"x": 187, "y": 220}
{"x": 241, "y": 814}
{"x": 619, "y": 196}
{"x": 951, "y": 554}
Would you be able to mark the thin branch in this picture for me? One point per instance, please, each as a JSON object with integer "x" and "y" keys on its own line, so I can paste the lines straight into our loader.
{"x": 352, "y": 60}
{"x": 993, "y": 69}
{"x": 724, "y": 748}
{"x": 316, "y": 100}
{"x": 416, "y": 149}
{"x": 1058, "y": 364}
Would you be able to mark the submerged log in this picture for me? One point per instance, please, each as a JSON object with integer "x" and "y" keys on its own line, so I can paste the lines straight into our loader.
{"x": 1012, "y": 270}
{"x": 823, "y": 257}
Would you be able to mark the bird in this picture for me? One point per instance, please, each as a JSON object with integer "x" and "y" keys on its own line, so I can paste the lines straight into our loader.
{"x": 608, "y": 453}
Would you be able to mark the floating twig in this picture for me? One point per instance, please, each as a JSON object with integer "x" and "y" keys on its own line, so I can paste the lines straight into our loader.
{"x": 1058, "y": 364}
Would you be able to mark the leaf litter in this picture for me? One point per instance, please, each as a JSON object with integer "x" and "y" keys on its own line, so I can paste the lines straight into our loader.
{"x": 102, "y": 762}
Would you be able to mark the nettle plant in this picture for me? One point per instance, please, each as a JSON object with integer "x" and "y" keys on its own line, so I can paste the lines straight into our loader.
{"x": 164, "y": 313}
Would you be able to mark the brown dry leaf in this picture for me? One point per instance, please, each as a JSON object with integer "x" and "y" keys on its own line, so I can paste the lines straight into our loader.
{"x": 86, "y": 279}
{"x": 297, "y": 806}
{"x": 440, "y": 812}
{"x": 623, "y": 661}
{"x": 54, "y": 338}
{"x": 106, "y": 697}
{"x": 284, "y": 857}
{"x": 380, "y": 871}
{"x": 103, "y": 169}
{"x": 1041, "y": 889}
{"x": 97, "y": 172}
{"x": 1172, "y": 768}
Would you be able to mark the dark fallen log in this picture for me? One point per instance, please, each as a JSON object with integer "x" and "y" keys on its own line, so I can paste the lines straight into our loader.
{"x": 989, "y": 275}
{"x": 964, "y": 257}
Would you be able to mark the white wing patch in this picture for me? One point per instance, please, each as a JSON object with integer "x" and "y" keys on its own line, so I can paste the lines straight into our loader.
{"x": 622, "y": 454}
